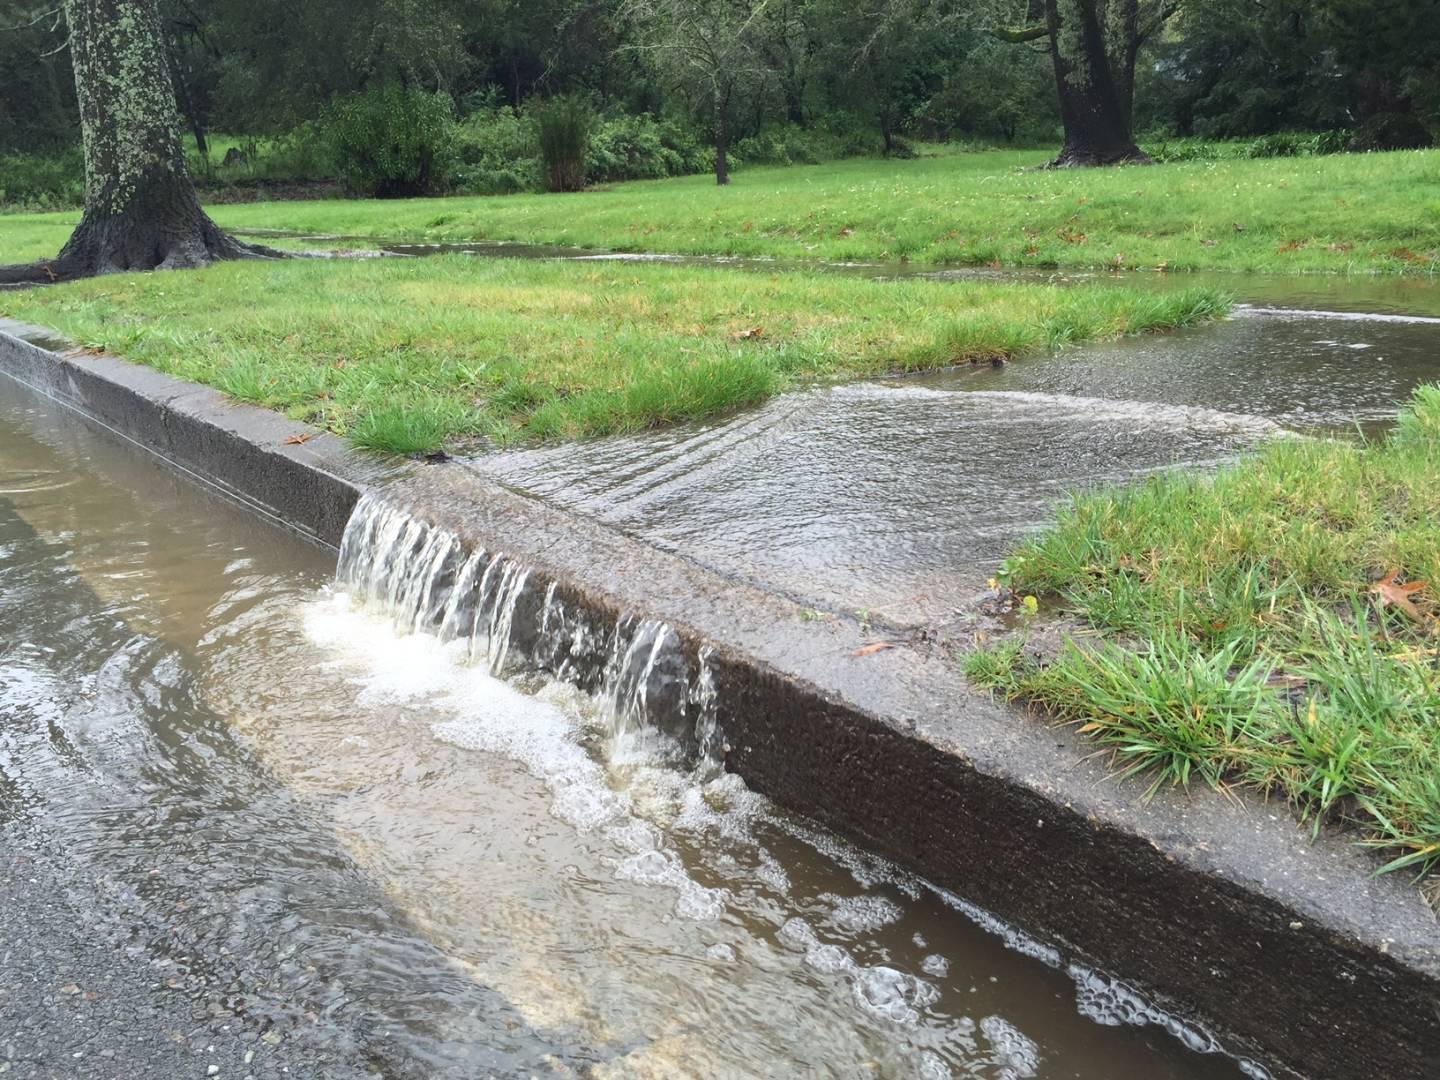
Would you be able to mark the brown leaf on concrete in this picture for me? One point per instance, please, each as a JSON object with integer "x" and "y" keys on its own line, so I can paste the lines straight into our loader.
{"x": 873, "y": 648}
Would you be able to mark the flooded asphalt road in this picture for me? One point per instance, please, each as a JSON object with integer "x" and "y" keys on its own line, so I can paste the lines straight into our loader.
{"x": 241, "y": 814}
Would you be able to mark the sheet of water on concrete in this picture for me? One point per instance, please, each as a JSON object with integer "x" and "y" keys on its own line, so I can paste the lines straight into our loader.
{"x": 898, "y": 497}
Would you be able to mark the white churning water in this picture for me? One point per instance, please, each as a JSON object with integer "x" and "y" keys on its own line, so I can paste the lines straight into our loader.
{"x": 414, "y": 618}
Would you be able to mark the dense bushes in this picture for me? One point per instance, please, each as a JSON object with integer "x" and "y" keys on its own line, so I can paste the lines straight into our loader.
{"x": 1392, "y": 131}
{"x": 1281, "y": 144}
{"x": 393, "y": 141}
{"x": 42, "y": 182}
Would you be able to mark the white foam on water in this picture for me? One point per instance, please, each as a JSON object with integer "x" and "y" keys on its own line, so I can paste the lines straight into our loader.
{"x": 1254, "y": 311}
{"x": 480, "y": 712}
{"x": 1016, "y": 1053}
{"x": 862, "y": 914}
{"x": 935, "y": 965}
{"x": 893, "y": 995}
{"x": 829, "y": 958}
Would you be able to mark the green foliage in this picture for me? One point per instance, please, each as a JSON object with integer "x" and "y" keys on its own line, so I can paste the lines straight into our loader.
{"x": 563, "y": 126}
{"x": 625, "y": 147}
{"x": 1282, "y": 144}
{"x": 1392, "y": 131}
{"x": 42, "y": 181}
{"x": 393, "y": 141}
{"x": 1246, "y": 642}
{"x": 495, "y": 153}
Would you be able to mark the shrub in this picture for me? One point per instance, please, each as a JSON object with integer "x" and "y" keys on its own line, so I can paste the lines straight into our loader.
{"x": 1392, "y": 131}
{"x": 563, "y": 128}
{"x": 626, "y": 147}
{"x": 393, "y": 141}
{"x": 1280, "y": 144}
{"x": 495, "y": 153}
{"x": 43, "y": 182}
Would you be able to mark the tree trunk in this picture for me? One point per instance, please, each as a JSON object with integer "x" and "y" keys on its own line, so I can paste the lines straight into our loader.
{"x": 141, "y": 211}
{"x": 1095, "y": 115}
{"x": 722, "y": 140}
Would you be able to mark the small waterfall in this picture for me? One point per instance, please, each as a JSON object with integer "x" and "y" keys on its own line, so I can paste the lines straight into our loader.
{"x": 648, "y": 682}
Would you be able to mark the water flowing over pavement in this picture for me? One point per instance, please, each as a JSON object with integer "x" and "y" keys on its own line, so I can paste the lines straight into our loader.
{"x": 290, "y": 828}
{"x": 896, "y": 498}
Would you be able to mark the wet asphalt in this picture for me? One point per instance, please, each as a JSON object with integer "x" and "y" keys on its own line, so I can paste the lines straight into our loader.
{"x": 83, "y": 996}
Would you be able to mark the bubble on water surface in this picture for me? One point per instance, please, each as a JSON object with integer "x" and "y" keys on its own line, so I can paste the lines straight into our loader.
{"x": 935, "y": 965}
{"x": 862, "y": 914}
{"x": 828, "y": 958}
{"x": 893, "y": 995}
{"x": 1015, "y": 1052}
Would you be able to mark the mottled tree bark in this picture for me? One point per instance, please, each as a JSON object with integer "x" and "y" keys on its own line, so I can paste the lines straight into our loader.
{"x": 1094, "y": 46}
{"x": 141, "y": 210}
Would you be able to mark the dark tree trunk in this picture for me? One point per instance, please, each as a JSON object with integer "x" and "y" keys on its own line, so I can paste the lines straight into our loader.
{"x": 141, "y": 211}
{"x": 722, "y": 141}
{"x": 1095, "y": 92}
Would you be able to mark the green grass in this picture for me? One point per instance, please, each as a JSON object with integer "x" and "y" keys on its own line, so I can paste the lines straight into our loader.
{"x": 1342, "y": 213}
{"x": 1238, "y": 634}
{"x": 410, "y": 355}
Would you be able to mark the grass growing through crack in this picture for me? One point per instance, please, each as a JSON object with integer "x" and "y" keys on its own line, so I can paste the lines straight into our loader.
{"x": 1255, "y": 629}
{"x": 408, "y": 355}
{"x": 1342, "y": 213}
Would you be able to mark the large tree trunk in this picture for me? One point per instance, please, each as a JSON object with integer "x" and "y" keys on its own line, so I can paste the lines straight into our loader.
{"x": 1095, "y": 90}
{"x": 141, "y": 211}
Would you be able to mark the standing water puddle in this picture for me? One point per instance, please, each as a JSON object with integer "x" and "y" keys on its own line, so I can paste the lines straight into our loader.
{"x": 439, "y": 872}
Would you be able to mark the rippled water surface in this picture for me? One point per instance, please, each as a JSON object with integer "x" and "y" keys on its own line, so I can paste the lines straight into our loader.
{"x": 898, "y": 497}
{"x": 458, "y": 872}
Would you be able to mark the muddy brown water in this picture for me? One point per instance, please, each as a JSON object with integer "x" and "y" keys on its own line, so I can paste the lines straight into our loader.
{"x": 465, "y": 869}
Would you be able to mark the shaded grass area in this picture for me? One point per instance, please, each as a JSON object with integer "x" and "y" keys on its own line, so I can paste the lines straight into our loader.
{"x": 1346, "y": 212}
{"x": 409, "y": 355}
{"x": 1274, "y": 625}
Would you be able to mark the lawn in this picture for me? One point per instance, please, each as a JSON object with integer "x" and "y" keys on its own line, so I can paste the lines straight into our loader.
{"x": 1343, "y": 213}
{"x": 1274, "y": 625}
{"x": 411, "y": 355}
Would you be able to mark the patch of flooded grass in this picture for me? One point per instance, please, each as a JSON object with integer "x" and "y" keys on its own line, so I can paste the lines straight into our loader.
{"x": 412, "y": 355}
{"x": 1274, "y": 625}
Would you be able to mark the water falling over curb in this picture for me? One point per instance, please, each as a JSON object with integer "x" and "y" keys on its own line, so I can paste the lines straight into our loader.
{"x": 1217, "y": 909}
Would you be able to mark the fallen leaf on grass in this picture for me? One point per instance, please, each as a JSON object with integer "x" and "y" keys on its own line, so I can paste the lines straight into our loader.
{"x": 873, "y": 648}
{"x": 748, "y": 335}
{"x": 299, "y": 440}
{"x": 1391, "y": 592}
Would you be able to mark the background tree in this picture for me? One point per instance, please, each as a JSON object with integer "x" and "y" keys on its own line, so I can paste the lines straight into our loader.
{"x": 710, "y": 50}
{"x": 141, "y": 211}
{"x": 888, "y": 61}
{"x": 1095, "y": 45}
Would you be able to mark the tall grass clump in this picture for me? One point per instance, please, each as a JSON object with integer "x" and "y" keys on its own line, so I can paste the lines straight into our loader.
{"x": 564, "y": 125}
{"x": 1275, "y": 625}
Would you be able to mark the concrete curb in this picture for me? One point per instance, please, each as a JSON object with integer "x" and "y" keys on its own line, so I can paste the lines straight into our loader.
{"x": 1217, "y": 909}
